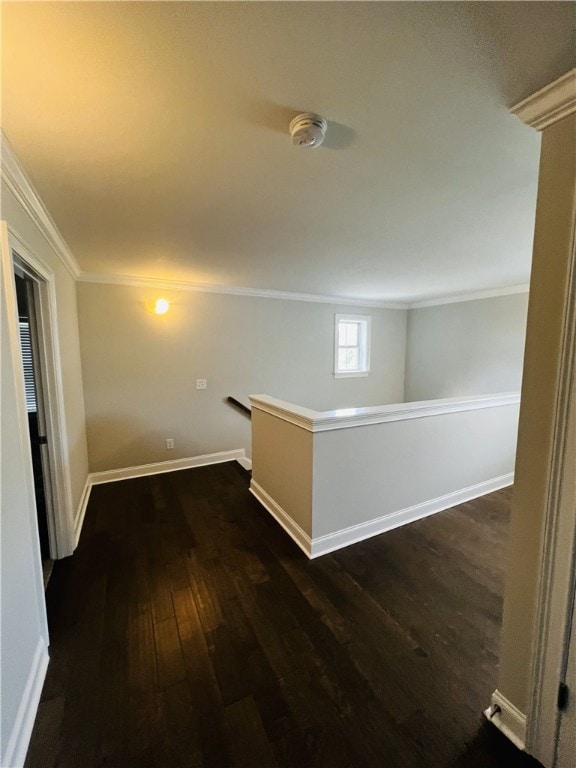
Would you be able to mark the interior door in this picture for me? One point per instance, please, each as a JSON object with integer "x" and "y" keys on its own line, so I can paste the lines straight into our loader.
{"x": 26, "y": 293}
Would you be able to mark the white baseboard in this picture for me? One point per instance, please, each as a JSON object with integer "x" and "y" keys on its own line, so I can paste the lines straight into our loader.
{"x": 330, "y": 542}
{"x": 508, "y": 719}
{"x": 126, "y": 473}
{"x": 80, "y": 514}
{"x": 17, "y": 745}
{"x": 322, "y": 545}
{"x": 246, "y": 463}
{"x": 290, "y": 526}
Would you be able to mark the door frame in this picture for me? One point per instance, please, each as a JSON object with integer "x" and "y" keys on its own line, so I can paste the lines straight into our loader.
{"x": 558, "y": 555}
{"x": 18, "y": 254}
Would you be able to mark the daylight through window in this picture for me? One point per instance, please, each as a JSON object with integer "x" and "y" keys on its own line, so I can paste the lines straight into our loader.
{"x": 352, "y": 345}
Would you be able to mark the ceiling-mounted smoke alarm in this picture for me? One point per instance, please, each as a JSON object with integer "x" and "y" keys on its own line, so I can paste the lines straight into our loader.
{"x": 308, "y": 130}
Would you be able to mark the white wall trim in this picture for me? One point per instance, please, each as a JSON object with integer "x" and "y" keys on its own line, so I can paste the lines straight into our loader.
{"x": 508, "y": 719}
{"x": 281, "y": 516}
{"x": 61, "y": 517}
{"x": 321, "y": 545}
{"x": 19, "y": 738}
{"x": 323, "y": 421}
{"x": 264, "y": 293}
{"x": 550, "y": 104}
{"x": 81, "y": 512}
{"x": 472, "y": 296}
{"x": 8, "y": 289}
{"x": 22, "y": 188}
{"x": 126, "y": 473}
{"x": 245, "y": 462}
{"x": 558, "y": 552}
{"x": 156, "y": 468}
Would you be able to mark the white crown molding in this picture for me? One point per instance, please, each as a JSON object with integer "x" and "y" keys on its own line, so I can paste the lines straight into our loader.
{"x": 20, "y": 185}
{"x": 472, "y": 296}
{"x": 324, "y": 421}
{"x": 184, "y": 285}
{"x": 263, "y": 293}
{"x": 22, "y": 188}
{"x": 550, "y": 104}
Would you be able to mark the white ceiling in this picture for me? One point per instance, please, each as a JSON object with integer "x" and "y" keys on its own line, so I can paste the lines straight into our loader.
{"x": 156, "y": 134}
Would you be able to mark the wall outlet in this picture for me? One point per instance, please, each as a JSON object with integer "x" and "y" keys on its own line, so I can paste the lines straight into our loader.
{"x": 169, "y": 442}
{"x": 200, "y": 383}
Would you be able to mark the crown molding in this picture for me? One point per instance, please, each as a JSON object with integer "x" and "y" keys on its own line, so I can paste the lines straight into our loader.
{"x": 472, "y": 296}
{"x": 550, "y": 104}
{"x": 263, "y": 293}
{"x": 22, "y": 188}
{"x": 19, "y": 184}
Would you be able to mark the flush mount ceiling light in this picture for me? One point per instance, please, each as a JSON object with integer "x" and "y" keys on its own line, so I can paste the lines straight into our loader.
{"x": 308, "y": 130}
{"x": 161, "y": 306}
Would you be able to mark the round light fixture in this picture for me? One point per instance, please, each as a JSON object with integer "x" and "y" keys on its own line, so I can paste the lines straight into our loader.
{"x": 308, "y": 130}
{"x": 161, "y": 306}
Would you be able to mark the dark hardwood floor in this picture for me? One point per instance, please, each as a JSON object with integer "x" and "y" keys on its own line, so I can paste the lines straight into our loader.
{"x": 188, "y": 630}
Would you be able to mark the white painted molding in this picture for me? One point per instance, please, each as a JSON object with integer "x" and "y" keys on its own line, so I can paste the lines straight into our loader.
{"x": 143, "y": 470}
{"x": 61, "y": 522}
{"x": 550, "y": 104}
{"x": 323, "y": 421}
{"x": 246, "y": 463}
{"x": 20, "y": 185}
{"x": 322, "y": 545}
{"x": 126, "y": 473}
{"x": 263, "y": 293}
{"x": 22, "y": 188}
{"x": 550, "y": 650}
{"x": 472, "y": 296}
{"x": 81, "y": 513}
{"x": 281, "y": 516}
{"x": 508, "y": 719}
{"x": 184, "y": 285}
{"x": 22, "y": 443}
{"x": 17, "y": 745}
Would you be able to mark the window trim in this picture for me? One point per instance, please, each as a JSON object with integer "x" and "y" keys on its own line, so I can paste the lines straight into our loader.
{"x": 365, "y": 322}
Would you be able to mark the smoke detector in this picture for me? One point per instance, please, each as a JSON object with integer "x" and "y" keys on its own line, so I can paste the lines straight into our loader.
{"x": 308, "y": 130}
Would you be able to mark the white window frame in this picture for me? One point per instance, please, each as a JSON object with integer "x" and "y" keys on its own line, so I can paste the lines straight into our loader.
{"x": 365, "y": 323}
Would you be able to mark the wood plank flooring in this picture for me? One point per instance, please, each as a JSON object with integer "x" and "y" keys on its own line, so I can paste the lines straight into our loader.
{"x": 188, "y": 630}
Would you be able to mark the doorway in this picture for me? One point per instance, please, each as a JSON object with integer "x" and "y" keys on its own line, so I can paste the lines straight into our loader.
{"x": 27, "y": 295}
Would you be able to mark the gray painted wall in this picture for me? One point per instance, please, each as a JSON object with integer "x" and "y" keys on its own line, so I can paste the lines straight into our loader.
{"x": 466, "y": 348}
{"x": 140, "y": 368}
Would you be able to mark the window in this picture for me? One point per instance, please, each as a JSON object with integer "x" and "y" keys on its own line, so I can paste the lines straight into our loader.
{"x": 352, "y": 345}
{"x": 26, "y": 345}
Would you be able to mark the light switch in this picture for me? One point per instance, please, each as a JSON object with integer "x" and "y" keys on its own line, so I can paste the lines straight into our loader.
{"x": 200, "y": 383}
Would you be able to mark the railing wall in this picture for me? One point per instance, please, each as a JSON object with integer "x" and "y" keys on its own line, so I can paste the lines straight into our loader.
{"x": 335, "y": 477}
